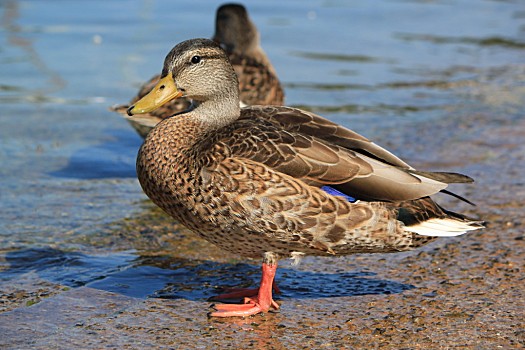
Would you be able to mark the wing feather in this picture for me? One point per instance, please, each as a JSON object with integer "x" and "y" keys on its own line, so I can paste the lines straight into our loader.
{"x": 319, "y": 152}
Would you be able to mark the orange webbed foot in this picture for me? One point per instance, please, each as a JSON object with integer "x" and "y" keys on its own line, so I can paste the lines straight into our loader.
{"x": 255, "y": 300}
{"x": 250, "y": 307}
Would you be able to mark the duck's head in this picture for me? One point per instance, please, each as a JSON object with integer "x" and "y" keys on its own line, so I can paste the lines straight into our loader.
{"x": 234, "y": 30}
{"x": 197, "y": 69}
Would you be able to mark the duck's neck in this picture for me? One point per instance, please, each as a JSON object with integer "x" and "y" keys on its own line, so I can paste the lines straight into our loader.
{"x": 190, "y": 133}
{"x": 216, "y": 113}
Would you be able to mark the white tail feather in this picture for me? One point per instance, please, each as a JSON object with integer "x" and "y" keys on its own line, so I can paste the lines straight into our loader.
{"x": 442, "y": 227}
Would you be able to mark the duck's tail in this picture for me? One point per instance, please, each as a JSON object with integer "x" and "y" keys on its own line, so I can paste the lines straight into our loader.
{"x": 447, "y": 227}
{"x": 426, "y": 218}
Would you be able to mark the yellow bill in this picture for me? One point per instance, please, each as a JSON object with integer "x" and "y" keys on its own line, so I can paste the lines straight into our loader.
{"x": 164, "y": 91}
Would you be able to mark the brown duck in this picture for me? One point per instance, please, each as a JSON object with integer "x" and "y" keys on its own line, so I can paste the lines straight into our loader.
{"x": 274, "y": 182}
{"x": 238, "y": 36}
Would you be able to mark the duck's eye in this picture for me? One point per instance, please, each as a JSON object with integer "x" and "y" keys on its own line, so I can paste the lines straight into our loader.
{"x": 195, "y": 59}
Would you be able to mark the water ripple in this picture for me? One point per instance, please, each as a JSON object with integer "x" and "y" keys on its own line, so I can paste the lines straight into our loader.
{"x": 323, "y": 56}
{"x": 488, "y": 41}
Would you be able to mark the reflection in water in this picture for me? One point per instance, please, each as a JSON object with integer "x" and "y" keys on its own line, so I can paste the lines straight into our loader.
{"x": 322, "y": 56}
{"x": 180, "y": 278}
{"x": 72, "y": 269}
{"x": 436, "y": 84}
{"x": 14, "y": 37}
{"x": 260, "y": 333}
{"x": 111, "y": 159}
{"x": 488, "y": 41}
{"x": 328, "y": 87}
{"x": 398, "y": 110}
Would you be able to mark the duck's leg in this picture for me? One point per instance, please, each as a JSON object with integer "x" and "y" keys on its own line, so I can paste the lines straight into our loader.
{"x": 238, "y": 293}
{"x": 261, "y": 302}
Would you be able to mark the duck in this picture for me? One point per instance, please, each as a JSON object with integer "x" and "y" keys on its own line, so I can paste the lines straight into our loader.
{"x": 273, "y": 182}
{"x": 239, "y": 37}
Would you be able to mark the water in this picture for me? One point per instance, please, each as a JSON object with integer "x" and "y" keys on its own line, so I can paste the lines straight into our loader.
{"x": 72, "y": 211}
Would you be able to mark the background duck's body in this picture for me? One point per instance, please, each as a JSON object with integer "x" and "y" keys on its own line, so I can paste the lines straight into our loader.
{"x": 265, "y": 181}
{"x": 238, "y": 36}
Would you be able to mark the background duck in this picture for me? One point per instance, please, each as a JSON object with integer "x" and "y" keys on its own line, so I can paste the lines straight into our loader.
{"x": 238, "y": 36}
{"x": 276, "y": 182}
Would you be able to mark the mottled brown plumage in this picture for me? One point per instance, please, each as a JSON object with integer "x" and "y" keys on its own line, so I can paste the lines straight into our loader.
{"x": 251, "y": 180}
{"x": 238, "y": 36}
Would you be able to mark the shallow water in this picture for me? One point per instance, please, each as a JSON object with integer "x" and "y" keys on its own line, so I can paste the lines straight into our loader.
{"x": 72, "y": 210}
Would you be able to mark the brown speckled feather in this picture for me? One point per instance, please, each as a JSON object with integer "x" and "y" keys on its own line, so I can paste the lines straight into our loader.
{"x": 244, "y": 190}
{"x": 237, "y": 202}
{"x": 347, "y": 160}
{"x": 258, "y": 83}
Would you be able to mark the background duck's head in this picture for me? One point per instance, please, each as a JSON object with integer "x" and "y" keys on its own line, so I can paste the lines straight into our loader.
{"x": 198, "y": 69}
{"x": 234, "y": 30}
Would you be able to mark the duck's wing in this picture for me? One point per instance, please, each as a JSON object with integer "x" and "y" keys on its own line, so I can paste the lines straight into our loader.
{"x": 312, "y": 124}
{"x": 308, "y": 123}
{"x": 319, "y": 153}
{"x": 286, "y": 215}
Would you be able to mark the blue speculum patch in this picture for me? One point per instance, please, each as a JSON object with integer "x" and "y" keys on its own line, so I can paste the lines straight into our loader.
{"x": 332, "y": 191}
